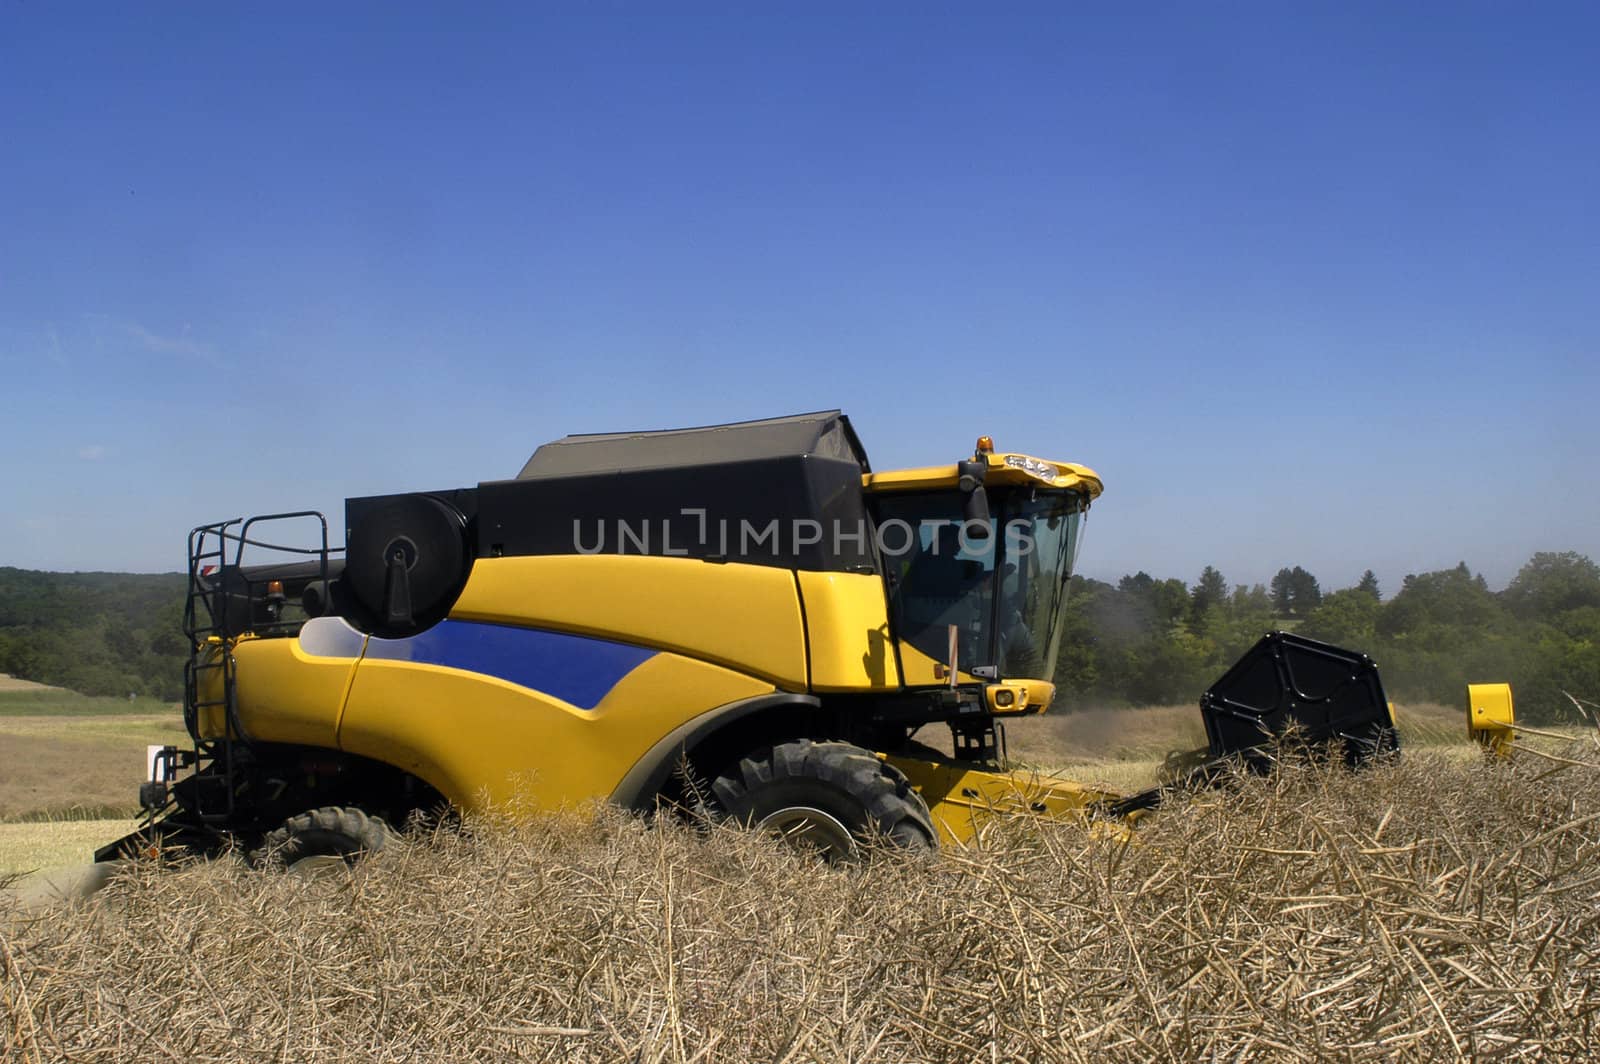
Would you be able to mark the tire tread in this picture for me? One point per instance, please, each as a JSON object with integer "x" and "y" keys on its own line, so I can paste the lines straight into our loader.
{"x": 892, "y": 809}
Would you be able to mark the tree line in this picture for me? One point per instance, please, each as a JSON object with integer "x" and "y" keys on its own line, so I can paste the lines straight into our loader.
{"x": 1140, "y": 641}
{"x": 1147, "y": 641}
{"x": 96, "y": 633}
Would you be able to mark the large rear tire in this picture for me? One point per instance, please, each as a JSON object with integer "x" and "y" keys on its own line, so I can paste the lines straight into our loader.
{"x": 832, "y": 797}
{"x": 333, "y": 831}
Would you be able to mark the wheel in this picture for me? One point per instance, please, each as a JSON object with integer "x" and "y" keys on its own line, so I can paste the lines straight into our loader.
{"x": 348, "y": 834}
{"x": 829, "y": 797}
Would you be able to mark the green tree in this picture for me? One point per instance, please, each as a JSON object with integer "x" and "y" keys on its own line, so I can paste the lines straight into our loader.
{"x": 1172, "y": 602}
{"x": 1228, "y": 630}
{"x": 1158, "y": 603}
{"x": 1448, "y": 598}
{"x": 1582, "y": 624}
{"x": 1282, "y": 591}
{"x": 1078, "y": 662}
{"x": 98, "y": 633}
{"x": 1295, "y": 592}
{"x": 1211, "y": 590}
{"x": 1254, "y": 599}
{"x": 1551, "y": 584}
{"x": 1347, "y": 618}
{"x": 1161, "y": 670}
{"x": 1135, "y": 642}
{"x": 1369, "y": 585}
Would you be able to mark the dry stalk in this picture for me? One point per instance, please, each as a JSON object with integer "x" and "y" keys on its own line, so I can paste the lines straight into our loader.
{"x": 1430, "y": 908}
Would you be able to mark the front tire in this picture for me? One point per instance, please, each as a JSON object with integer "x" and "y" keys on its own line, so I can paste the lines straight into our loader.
{"x": 828, "y": 796}
{"x": 333, "y": 831}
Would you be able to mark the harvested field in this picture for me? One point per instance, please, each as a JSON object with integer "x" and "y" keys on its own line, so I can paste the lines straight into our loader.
{"x": 1432, "y": 908}
{"x": 9, "y": 683}
{"x": 55, "y": 702}
{"x": 66, "y": 755}
{"x": 1117, "y": 749}
{"x": 47, "y": 844}
{"x": 1124, "y": 749}
{"x": 76, "y": 766}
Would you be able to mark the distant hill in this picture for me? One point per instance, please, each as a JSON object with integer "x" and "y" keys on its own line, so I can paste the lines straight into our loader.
{"x": 98, "y": 633}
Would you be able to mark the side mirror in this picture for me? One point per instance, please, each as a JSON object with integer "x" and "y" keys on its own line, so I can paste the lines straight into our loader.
{"x": 969, "y": 478}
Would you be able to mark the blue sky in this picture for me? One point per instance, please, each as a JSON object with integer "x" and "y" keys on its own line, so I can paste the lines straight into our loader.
{"x": 1313, "y": 287}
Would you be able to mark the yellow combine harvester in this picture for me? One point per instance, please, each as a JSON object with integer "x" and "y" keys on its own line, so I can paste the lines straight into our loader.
{"x": 744, "y": 618}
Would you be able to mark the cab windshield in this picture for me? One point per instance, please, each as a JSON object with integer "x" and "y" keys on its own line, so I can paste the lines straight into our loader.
{"x": 1004, "y": 592}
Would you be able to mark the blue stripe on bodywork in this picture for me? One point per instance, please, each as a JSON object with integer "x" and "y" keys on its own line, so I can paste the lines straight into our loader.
{"x": 573, "y": 668}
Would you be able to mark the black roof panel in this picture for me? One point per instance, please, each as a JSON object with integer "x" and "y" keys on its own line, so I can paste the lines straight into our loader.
{"x": 823, "y": 434}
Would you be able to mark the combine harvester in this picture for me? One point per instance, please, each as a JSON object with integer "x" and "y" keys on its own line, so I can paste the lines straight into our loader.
{"x": 744, "y": 618}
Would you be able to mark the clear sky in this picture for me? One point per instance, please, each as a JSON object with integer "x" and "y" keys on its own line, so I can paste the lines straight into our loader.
{"x": 1307, "y": 285}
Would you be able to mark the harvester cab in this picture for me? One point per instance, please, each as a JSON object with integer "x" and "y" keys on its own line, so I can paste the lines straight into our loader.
{"x": 741, "y": 618}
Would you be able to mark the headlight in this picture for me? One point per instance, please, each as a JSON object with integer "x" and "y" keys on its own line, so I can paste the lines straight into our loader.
{"x": 1033, "y": 467}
